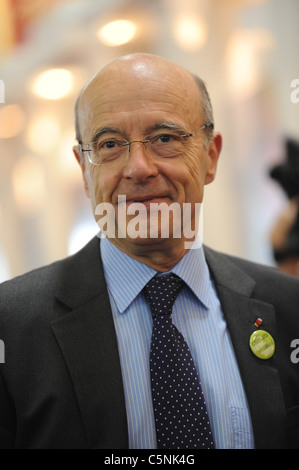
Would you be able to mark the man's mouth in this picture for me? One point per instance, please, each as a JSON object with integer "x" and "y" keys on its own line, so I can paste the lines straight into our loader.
{"x": 147, "y": 200}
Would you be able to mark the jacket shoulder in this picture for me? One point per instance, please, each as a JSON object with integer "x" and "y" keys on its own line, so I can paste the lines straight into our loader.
{"x": 45, "y": 279}
{"x": 267, "y": 282}
{"x": 27, "y": 295}
{"x": 36, "y": 281}
{"x": 254, "y": 269}
{"x": 35, "y": 293}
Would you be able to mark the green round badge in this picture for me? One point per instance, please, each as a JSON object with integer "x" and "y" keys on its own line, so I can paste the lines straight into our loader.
{"x": 262, "y": 344}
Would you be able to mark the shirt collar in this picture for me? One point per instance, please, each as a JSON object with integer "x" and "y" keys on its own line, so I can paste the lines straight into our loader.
{"x": 126, "y": 277}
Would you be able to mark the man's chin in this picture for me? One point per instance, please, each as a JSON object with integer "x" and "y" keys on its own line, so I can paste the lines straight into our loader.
{"x": 144, "y": 245}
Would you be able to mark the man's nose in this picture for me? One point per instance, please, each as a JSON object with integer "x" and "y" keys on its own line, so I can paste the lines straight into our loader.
{"x": 139, "y": 163}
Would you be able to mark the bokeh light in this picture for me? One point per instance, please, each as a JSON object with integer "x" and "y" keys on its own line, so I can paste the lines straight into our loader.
{"x": 53, "y": 84}
{"x": 117, "y": 32}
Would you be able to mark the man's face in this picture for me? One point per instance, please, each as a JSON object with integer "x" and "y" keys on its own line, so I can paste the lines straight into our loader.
{"x": 132, "y": 99}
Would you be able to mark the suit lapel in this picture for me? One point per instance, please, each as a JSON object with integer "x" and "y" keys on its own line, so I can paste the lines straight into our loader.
{"x": 87, "y": 340}
{"x": 260, "y": 377}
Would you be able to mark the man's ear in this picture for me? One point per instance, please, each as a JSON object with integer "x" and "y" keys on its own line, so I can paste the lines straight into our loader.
{"x": 214, "y": 150}
{"x": 82, "y": 163}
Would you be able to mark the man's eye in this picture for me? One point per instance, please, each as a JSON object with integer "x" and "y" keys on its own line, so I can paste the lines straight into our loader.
{"x": 109, "y": 144}
{"x": 165, "y": 138}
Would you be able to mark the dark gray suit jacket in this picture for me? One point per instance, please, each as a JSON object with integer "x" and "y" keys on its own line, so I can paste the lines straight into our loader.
{"x": 61, "y": 384}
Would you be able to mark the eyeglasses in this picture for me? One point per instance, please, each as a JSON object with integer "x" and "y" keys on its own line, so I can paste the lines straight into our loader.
{"x": 168, "y": 144}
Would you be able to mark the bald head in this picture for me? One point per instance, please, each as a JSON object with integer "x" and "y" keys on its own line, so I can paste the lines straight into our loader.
{"x": 129, "y": 70}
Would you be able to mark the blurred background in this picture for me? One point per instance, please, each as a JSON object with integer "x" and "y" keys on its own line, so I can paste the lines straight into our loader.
{"x": 245, "y": 50}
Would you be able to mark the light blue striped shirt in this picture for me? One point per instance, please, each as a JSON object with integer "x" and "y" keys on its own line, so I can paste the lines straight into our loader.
{"x": 198, "y": 315}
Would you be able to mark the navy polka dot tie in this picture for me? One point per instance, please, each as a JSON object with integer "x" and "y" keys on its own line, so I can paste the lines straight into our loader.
{"x": 181, "y": 416}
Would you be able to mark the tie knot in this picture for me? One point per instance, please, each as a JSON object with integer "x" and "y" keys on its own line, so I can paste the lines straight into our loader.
{"x": 161, "y": 293}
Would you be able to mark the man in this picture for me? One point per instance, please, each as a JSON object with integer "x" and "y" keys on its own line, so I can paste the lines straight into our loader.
{"x": 284, "y": 235}
{"x": 78, "y": 372}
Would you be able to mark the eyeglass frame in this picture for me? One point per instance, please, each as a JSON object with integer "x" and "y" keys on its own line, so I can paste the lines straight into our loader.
{"x": 190, "y": 134}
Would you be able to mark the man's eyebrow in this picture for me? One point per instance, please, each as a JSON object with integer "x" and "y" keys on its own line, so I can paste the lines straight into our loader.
{"x": 104, "y": 130}
{"x": 170, "y": 126}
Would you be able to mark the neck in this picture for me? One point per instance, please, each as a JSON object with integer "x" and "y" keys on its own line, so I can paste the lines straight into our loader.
{"x": 159, "y": 255}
